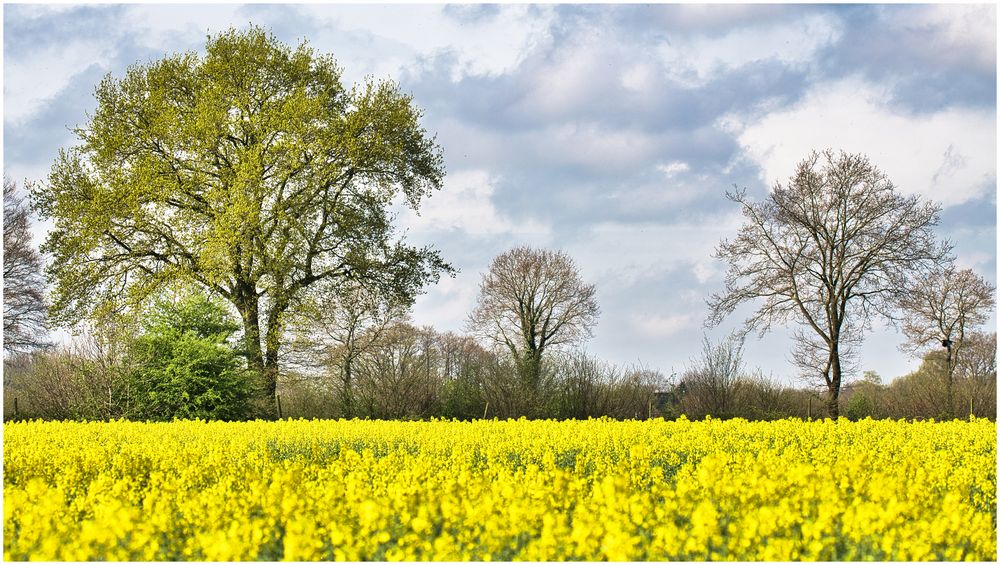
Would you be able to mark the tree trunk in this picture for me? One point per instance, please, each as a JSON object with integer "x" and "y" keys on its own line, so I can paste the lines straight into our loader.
{"x": 949, "y": 385}
{"x": 263, "y": 364}
{"x": 248, "y": 310}
{"x": 272, "y": 341}
{"x": 833, "y": 403}
{"x": 833, "y": 383}
{"x": 531, "y": 369}
{"x": 347, "y": 394}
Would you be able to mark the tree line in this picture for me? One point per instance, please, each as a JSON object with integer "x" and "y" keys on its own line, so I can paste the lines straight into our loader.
{"x": 224, "y": 247}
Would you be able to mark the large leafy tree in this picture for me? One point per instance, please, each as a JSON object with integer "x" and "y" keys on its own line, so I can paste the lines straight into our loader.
{"x": 250, "y": 171}
{"x": 831, "y": 250}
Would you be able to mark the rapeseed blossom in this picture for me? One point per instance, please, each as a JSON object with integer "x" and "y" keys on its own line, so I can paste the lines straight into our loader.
{"x": 500, "y": 490}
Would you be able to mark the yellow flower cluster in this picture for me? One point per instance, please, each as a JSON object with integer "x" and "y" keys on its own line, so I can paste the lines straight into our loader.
{"x": 500, "y": 490}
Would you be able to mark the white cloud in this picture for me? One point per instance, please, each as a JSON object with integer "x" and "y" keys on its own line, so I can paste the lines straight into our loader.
{"x": 34, "y": 11}
{"x": 490, "y": 45}
{"x": 639, "y": 77}
{"x": 593, "y": 146}
{"x": 622, "y": 255}
{"x": 178, "y": 27}
{"x": 956, "y": 34}
{"x": 704, "y": 271}
{"x": 447, "y": 304}
{"x": 977, "y": 261}
{"x": 672, "y": 168}
{"x": 584, "y": 145}
{"x": 590, "y": 70}
{"x": 564, "y": 80}
{"x": 660, "y": 326}
{"x": 948, "y": 156}
{"x": 464, "y": 204}
{"x": 711, "y": 17}
{"x": 696, "y": 60}
{"x": 34, "y": 79}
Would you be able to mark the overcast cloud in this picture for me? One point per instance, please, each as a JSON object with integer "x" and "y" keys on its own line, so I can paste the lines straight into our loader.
{"x": 611, "y": 132}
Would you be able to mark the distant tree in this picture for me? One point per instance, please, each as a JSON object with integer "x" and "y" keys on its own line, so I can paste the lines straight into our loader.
{"x": 590, "y": 388}
{"x": 397, "y": 377}
{"x": 923, "y": 394}
{"x": 940, "y": 307}
{"x": 760, "y": 397}
{"x": 462, "y": 362}
{"x": 88, "y": 377}
{"x": 919, "y": 394}
{"x": 865, "y": 397}
{"x": 976, "y": 374}
{"x": 830, "y": 250}
{"x": 250, "y": 171}
{"x": 872, "y": 378}
{"x": 710, "y": 384}
{"x": 531, "y": 300}
{"x": 186, "y": 367}
{"x": 979, "y": 357}
{"x": 338, "y": 330}
{"x": 23, "y": 284}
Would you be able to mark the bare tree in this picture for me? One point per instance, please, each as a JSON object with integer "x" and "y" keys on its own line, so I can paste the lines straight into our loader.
{"x": 349, "y": 321}
{"x": 23, "y": 299}
{"x": 976, "y": 373}
{"x": 531, "y": 300}
{"x": 939, "y": 307}
{"x": 87, "y": 378}
{"x": 710, "y": 385}
{"x": 397, "y": 377}
{"x": 830, "y": 250}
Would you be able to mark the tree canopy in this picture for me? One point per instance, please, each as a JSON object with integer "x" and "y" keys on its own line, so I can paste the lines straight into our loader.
{"x": 250, "y": 171}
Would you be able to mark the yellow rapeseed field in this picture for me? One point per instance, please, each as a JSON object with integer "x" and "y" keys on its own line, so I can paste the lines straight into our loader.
{"x": 500, "y": 490}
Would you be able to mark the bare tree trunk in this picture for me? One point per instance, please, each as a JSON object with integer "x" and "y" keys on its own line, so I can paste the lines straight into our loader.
{"x": 833, "y": 383}
{"x": 949, "y": 384}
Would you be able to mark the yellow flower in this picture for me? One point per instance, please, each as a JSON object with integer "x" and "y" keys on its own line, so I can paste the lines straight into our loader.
{"x": 514, "y": 490}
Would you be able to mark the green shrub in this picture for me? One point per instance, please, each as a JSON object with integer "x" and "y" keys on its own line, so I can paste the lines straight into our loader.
{"x": 186, "y": 366}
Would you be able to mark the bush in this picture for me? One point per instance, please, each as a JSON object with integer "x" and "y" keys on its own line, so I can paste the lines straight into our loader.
{"x": 709, "y": 387}
{"x": 462, "y": 398}
{"x": 87, "y": 379}
{"x": 302, "y": 397}
{"x": 186, "y": 367}
{"x": 585, "y": 387}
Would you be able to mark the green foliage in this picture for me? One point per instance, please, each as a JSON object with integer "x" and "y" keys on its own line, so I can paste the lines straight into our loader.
{"x": 186, "y": 367}
{"x": 462, "y": 399}
{"x": 194, "y": 314}
{"x": 872, "y": 378}
{"x": 860, "y": 406}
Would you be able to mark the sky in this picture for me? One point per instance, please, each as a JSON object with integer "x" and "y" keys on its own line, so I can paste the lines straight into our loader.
{"x": 611, "y": 132}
